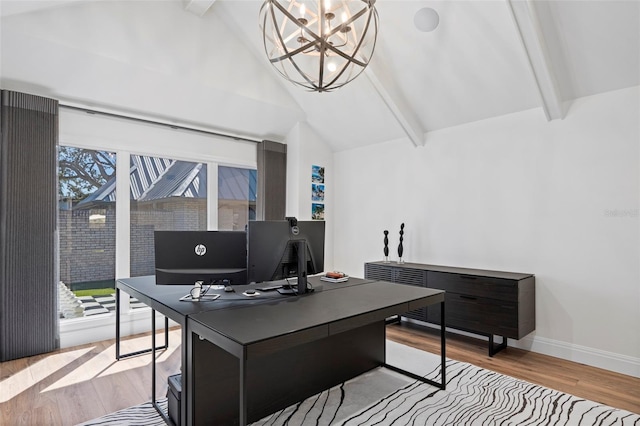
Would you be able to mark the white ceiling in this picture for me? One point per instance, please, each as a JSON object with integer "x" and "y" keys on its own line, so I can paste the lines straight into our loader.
{"x": 200, "y": 63}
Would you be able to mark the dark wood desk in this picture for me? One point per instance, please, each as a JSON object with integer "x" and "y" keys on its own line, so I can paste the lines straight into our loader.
{"x": 266, "y": 357}
{"x": 244, "y": 358}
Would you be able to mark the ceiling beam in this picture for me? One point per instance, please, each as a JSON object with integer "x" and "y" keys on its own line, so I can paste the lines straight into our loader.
{"x": 535, "y": 48}
{"x": 398, "y": 107}
{"x": 199, "y": 7}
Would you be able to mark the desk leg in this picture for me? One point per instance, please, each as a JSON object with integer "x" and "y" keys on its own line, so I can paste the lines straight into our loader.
{"x": 154, "y": 402}
{"x": 243, "y": 387}
{"x": 443, "y": 359}
{"x": 153, "y": 356}
{"x": 120, "y": 356}
{"x": 443, "y": 345}
{"x": 185, "y": 370}
{"x": 117, "y": 323}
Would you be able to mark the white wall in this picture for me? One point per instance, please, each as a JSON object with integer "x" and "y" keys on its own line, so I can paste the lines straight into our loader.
{"x": 305, "y": 149}
{"x": 517, "y": 193}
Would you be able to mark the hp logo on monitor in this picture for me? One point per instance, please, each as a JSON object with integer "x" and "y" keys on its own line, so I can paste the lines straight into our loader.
{"x": 200, "y": 249}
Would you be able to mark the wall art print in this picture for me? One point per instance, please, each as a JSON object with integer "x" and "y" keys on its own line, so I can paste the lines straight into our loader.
{"x": 317, "y": 192}
{"x": 317, "y": 174}
{"x": 317, "y": 211}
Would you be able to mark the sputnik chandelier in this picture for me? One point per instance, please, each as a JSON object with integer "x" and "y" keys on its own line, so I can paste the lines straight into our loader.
{"x": 319, "y": 44}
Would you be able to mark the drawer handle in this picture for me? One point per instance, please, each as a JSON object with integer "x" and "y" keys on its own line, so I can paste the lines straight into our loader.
{"x": 462, "y": 296}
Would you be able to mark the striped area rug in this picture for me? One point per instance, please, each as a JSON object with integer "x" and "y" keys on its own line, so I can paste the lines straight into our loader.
{"x": 474, "y": 396}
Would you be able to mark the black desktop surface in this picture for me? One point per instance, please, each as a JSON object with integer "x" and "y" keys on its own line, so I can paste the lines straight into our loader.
{"x": 320, "y": 313}
{"x": 166, "y": 299}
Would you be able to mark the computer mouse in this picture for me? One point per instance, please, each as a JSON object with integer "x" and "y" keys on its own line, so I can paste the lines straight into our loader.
{"x": 250, "y": 292}
{"x": 228, "y": 289}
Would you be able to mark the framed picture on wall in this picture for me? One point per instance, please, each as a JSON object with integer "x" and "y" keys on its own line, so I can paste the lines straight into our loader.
{"x": 317, "y": 211}
{"x": 317, "y": 174}
{"x": 317, "y": 192}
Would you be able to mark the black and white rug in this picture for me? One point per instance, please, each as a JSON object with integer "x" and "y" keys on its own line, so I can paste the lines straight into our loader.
{"x": 474, "y": 396}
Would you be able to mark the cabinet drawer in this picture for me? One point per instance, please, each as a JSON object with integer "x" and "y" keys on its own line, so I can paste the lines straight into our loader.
{"x": 481, "y": 315}
{"x": 473, "y": 285}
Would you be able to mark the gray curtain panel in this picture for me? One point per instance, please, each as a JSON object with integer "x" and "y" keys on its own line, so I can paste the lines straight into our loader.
{"x": 28, "y": 225}
{"x": 272, "y": 181}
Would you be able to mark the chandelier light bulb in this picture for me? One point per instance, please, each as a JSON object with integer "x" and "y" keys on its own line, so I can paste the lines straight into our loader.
{"x": 299, "y": 47}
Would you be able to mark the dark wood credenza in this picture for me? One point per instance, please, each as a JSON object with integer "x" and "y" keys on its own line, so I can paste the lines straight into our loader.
{"x": 490, "y": 303}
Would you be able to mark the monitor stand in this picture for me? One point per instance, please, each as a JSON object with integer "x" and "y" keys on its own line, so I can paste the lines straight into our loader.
{"x": 301, "y": 254}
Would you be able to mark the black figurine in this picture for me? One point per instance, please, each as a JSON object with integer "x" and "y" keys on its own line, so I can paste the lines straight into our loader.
{"x": 386, "y": 246}
{"x": 400, "y": 248}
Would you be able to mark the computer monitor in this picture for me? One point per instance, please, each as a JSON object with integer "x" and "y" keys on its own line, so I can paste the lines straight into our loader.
{"x": 184, "y": 257}
{"x": 279, "y": 249}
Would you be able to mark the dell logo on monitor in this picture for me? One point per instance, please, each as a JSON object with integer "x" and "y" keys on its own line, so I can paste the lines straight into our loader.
{"x": 200, "y": 249}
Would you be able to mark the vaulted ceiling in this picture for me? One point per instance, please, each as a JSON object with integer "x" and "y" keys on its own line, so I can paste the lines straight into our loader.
{"x": 201, "y": 63}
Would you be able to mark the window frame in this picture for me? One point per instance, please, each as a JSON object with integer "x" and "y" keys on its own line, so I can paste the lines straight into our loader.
{"x": 81, "y": 130}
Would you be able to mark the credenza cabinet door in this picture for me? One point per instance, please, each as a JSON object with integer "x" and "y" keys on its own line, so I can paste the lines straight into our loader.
{"x": 374, "y": 271}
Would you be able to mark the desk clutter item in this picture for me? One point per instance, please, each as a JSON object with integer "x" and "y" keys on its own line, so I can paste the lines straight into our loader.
{"x": 203, "y": 298}
{"x": 174, "y": 389}
{"x": 335, "y": 277}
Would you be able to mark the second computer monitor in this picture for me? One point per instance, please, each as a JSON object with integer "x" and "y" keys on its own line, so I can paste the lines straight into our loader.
{"x": 272, "y": 248}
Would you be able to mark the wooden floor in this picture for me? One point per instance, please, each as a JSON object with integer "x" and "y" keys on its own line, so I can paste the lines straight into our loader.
{"x": 73, "y": 385}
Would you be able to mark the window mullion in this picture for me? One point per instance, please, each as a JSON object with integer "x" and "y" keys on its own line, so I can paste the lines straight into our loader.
{"x": 212, "y": 196}
{"x": 123, "y": 221}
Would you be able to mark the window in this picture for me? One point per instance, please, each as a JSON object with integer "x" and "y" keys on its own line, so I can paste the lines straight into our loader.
{"x": 166, "y": 195}
{"x": 87, "y": 231}
{"x": 236, "y": 197}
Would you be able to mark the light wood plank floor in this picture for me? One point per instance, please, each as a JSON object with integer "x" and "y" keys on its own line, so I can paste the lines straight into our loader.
{"x": 73, "y": 385}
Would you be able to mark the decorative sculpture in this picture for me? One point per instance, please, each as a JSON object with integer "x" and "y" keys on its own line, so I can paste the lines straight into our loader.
{"x": 386, "y": 246}
{"x": 400, "y": 248}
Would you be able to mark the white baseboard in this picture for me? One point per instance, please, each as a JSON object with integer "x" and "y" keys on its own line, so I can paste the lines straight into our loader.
{"x": 80, "y": 331}
{"x": 598, "y": 358}
{"x": 611, "y": 361}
